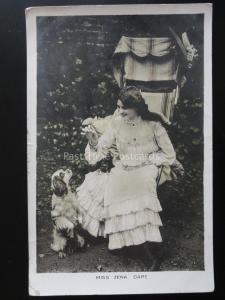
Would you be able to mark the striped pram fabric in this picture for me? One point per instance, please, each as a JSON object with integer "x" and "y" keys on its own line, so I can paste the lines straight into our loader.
{"x": 151, "y": 65}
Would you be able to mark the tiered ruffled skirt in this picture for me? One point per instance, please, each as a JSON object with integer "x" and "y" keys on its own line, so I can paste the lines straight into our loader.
{"x": 127, "y": 202}
{"x": 91, "y": 202}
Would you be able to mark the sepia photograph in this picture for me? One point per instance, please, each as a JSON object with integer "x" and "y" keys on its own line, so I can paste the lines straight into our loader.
{"x": 119, "y": 141}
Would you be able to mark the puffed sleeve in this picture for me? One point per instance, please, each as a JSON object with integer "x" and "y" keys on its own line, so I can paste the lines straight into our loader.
{"x": 105, "y": 142}
{"x": 166, "y": 154}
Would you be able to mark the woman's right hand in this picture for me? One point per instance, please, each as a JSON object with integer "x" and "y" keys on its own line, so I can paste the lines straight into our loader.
{"x": 91, "y": 134}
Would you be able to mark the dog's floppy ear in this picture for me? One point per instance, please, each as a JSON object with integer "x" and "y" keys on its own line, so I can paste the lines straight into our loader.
{"x": 59, "y": 186}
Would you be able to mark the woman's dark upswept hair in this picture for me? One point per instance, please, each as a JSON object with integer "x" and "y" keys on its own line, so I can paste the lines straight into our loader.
{"x": 131, "y": 98}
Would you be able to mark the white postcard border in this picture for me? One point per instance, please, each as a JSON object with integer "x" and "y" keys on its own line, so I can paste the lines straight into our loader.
{"x": 87, "y": 283}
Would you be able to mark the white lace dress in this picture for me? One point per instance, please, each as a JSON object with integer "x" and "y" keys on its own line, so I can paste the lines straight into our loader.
{"x": 126, "y": 198}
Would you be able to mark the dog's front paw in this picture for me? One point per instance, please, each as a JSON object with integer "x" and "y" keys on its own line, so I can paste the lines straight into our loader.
{"x": 62, "y": 254}
{"x": 55, "y": 247}
{"x": 80, "y": 241}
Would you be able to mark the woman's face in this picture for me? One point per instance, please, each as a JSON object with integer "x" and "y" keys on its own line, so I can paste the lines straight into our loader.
{"x": 128, "y": 113}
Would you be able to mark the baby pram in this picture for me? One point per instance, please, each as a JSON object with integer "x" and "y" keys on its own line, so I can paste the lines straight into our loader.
{"x": 154, "y": 65}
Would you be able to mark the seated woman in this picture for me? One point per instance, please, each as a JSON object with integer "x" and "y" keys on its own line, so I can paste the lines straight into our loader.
{"x": 127, "y": 196}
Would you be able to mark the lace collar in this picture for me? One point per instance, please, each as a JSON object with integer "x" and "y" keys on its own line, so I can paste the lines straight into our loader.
{"x": 133, "y": 122}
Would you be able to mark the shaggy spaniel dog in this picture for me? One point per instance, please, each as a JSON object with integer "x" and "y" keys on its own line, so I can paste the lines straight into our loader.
{"x": 65, "y": 215}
